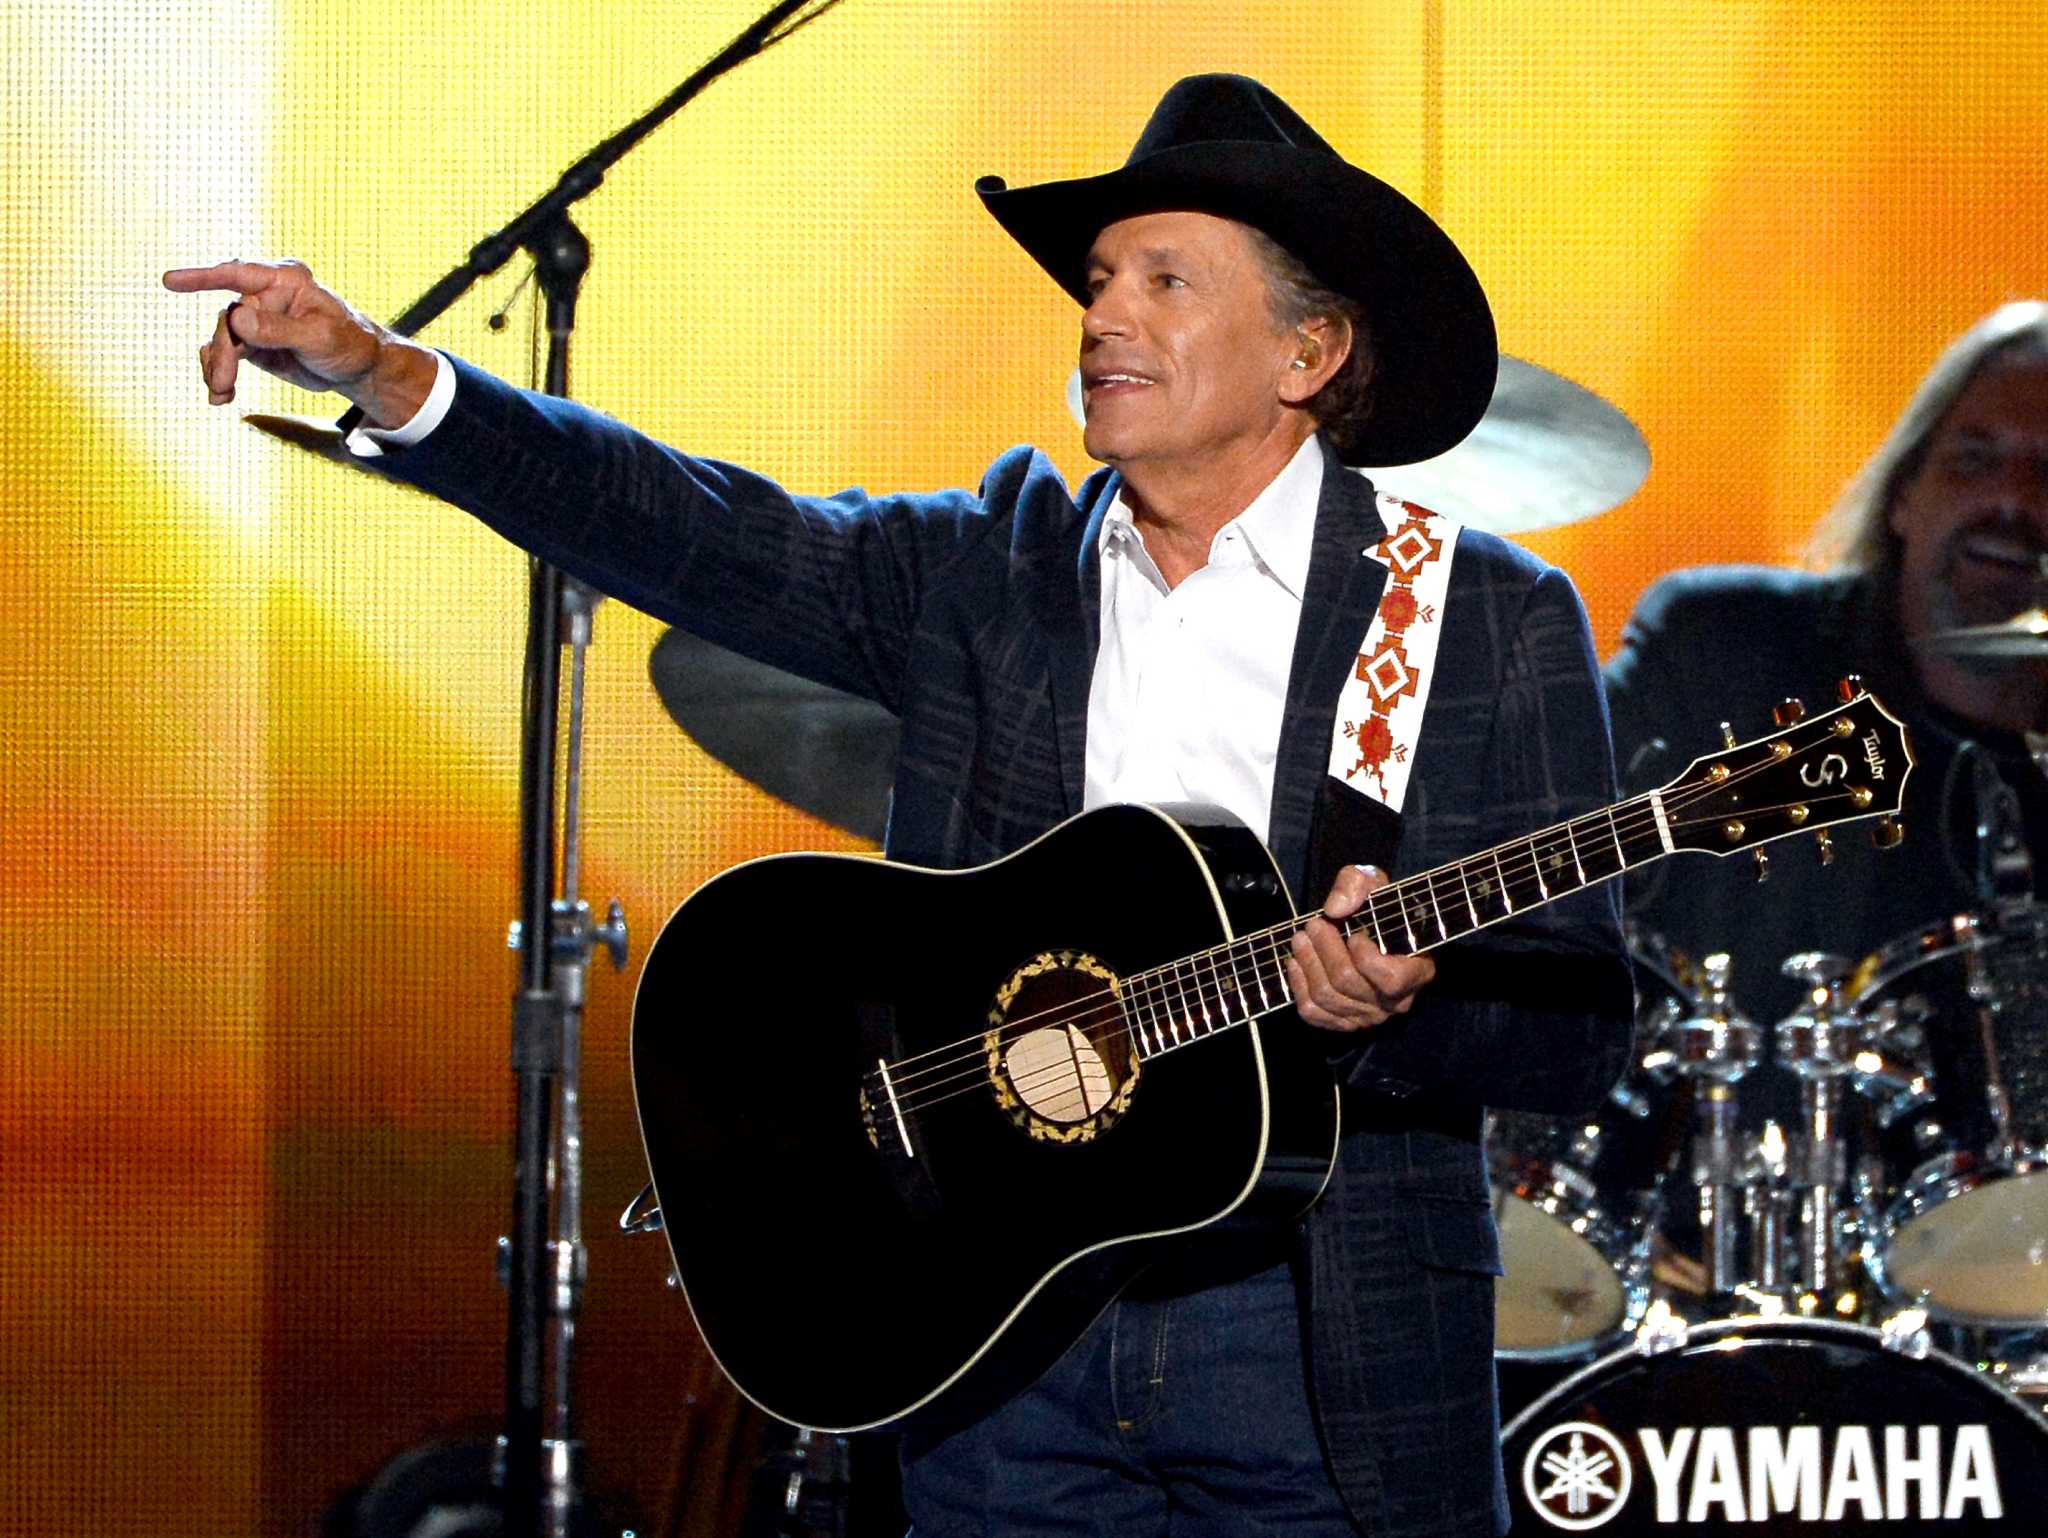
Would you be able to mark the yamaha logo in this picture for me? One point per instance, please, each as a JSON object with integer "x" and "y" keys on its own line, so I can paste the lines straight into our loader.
{"x": 1578, "y": 1475}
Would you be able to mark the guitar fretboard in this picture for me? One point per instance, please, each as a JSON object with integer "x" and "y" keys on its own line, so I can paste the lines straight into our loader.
{"x": 1239, "y": 981}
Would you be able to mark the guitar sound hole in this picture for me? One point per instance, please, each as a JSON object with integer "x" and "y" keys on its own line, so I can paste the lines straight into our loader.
{"x": 1058, "y": 1074}
{"x": 1059, "y": 1054}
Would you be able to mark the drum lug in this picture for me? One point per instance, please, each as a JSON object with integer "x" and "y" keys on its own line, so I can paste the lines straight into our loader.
{"x": 1662, "y": 1330}
{"x": 1906, "y": 1333}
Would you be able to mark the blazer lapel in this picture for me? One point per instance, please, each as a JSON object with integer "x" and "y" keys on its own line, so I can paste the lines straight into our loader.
{"x": 1337, "y": 604}
{"x": 1071, "y": 603}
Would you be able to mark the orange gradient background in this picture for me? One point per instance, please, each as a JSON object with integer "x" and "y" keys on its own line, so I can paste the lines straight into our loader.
{"x": 261, "y": 714}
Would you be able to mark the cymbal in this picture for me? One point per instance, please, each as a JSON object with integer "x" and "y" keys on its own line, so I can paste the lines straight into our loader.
{"x": 819, "y": 749}
{"x": 1547, "y": 452}
{"x": 2024, "y": 635}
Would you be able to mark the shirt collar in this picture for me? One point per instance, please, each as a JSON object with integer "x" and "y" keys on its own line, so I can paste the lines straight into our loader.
{"x": 1279, "y": 525}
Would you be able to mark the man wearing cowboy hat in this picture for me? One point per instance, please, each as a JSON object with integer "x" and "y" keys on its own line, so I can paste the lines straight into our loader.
{"x": 1256, "y": 315}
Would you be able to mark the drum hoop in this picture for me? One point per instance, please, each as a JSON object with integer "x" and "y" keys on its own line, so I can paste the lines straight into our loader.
{"x": 1954, "y": 936}
{"x": 1769, "y": 1327}
{"x": 1960, "y": 934}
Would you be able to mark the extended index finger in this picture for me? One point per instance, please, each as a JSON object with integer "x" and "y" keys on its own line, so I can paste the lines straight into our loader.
{"x": 240, "y": 277}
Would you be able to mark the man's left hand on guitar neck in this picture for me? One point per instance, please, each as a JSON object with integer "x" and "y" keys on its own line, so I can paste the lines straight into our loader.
{"x": 1354, "y": 985}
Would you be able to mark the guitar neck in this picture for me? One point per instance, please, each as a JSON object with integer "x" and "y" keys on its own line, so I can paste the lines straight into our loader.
{"x": 1241, "y": 980}
{"x": 1419, "y": 913}
{"x": 1846, "y": 765}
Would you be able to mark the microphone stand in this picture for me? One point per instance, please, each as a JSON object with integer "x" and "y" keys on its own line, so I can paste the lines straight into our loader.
{"x": 554, "y": 937}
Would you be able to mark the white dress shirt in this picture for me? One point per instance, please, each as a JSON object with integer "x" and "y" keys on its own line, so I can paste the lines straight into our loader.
{"x": 1190, "y": 684}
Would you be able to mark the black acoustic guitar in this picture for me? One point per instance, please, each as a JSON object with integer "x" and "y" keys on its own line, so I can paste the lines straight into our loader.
{"x": 910, "y": 1130}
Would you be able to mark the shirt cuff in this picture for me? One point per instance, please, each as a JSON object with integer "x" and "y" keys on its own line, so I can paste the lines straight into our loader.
{"x": 371, "y": 442}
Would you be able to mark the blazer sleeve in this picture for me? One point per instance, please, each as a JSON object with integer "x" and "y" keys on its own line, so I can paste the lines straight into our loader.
{"x": 828, "y": 587}
{"x": 1536, "y": 1012}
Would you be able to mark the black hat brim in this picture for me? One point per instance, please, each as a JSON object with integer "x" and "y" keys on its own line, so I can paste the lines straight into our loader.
{"x": 1436, "y": 351}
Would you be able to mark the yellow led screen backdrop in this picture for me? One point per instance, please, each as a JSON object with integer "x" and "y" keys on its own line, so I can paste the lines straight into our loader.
{"x": 261, "y": 712}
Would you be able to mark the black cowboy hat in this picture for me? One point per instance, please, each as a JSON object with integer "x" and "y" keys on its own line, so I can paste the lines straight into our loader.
{"x": 1223, "y": 144}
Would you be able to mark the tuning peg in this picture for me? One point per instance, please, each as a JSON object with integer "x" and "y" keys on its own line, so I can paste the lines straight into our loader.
{"x": 1727, "y": 734}
{"x": 1825, "y": 845}
{"x": 1789, "y": 711}
{"x": 1886, "y": 833}
{"x": 1848, "y": 687}
{"x": 1763, "y": 866}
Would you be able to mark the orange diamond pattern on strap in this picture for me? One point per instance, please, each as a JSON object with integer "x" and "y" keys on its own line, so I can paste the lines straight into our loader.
{"x": 1380, "y": 711}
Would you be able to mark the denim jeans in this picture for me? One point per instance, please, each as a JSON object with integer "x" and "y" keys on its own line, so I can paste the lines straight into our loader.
{"x": 1177, "y": 1416}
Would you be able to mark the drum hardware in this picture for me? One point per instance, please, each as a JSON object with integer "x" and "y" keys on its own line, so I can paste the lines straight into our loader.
{"x": 1663, "y": 1329}
{"x": 1577, "y": 1199}
{"x": 1906, "y": 1333}
{"x": 2026, "y": 1374}
{"x": 1965, "y": 1230}
{"x": 1714, "y": 1048}
{"x": 1891, "y": 1071}
{"x": 2004, "y": 867}
{"x": 1768, "y": 1201}
{"x": 1822, "y": 1045}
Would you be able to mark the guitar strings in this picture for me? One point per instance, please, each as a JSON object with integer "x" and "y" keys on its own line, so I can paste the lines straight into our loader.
{"x": 1207, "y": 973}
{"x": 1523, "y": 864}
{"x": 1270, "y": 946}
{"x": 1215, "y": 972}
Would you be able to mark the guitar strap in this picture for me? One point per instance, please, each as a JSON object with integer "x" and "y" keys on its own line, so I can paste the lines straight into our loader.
{"x": 1357, "y": 815}
{"x": 1379, "y": 713}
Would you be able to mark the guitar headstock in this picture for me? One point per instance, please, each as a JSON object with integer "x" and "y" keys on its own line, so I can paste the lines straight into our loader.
{"x": 1846, "y": 765}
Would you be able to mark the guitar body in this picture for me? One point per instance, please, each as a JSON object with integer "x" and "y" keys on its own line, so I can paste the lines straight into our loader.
{"x": 885, "y": 1176}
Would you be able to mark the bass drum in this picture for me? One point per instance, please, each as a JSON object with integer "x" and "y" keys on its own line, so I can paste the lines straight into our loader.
{"x": 1575, "y": 1196}
{"x": 1966, "y": 1234}
{"x": 1777, "y": 1426}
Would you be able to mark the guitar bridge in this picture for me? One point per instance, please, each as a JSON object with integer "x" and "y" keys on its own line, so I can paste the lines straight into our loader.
{"x": 886, "y": 1119}
{"x": 880, "y": 1110}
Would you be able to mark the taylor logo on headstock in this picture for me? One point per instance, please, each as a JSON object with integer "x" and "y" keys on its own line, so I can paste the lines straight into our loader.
{"x": 1813, "y": 773}
{"x": 1826, "y": 772}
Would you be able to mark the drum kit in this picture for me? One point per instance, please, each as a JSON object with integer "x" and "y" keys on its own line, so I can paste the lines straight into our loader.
{"x": 1915, "y": 1176}
{"x": 1843, "y": 1318}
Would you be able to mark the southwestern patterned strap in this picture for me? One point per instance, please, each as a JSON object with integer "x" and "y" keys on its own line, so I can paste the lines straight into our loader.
{"x": 1379, "y": 714}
